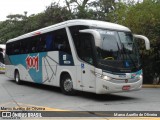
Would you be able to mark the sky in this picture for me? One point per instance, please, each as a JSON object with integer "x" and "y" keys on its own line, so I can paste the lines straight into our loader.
{"x": 8, "y": 7}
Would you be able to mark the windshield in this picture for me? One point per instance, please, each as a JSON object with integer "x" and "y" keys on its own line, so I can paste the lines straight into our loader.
{"x": 117, "y": 51}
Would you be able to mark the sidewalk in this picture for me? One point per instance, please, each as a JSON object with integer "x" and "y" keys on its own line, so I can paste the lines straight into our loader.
{"x": 150, "y": 86}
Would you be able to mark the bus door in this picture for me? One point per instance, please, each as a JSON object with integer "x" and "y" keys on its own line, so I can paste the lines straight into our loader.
{"x": 85, "y": 52}
{"x": 88, "y": 77}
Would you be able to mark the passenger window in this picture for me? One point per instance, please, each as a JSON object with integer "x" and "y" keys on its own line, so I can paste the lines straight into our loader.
{"x": 41, "y": 44}
{"x": 55, "y": 40}
{"x": 22, "y": 47}
{"x": 31, "y": 45}
{"x": 9, "y": 49}
{"x": 49, "y": 42}
{"x": 17, "y": 47}
{"x": 61, "y": 42}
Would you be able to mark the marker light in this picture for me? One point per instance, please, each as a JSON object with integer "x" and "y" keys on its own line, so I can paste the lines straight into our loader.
{"x": 37, "y": 33}
{"x": 140, "y": 77}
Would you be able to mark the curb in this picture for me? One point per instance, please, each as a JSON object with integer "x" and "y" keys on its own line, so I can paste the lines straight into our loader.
{"x": 150, "y": 86}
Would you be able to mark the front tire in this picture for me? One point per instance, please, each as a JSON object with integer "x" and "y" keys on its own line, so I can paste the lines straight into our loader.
{"x": 67, "y": 85}
{"x": 17, "y": 78}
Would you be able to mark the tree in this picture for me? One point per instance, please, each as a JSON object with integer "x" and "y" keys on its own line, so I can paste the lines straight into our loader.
{"x": 18, "y": 24}
{"x": 142, "y": 18}
{"x": 55, "y": 14}
{"x": 78, "y": 8}
{"x": 102, "y": 8}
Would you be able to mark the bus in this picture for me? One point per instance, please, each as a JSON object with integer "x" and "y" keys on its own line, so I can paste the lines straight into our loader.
{"x": 78, "y": 55}
{"x": 2, "y": 55}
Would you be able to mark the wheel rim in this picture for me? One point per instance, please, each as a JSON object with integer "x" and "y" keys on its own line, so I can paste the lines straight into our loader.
{"x": 68, "y": 85}
{"x": 17, "y": 77}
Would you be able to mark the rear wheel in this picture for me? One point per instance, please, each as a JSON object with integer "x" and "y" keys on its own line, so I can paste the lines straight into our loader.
{"x": 67, "y": 85}
{"x": 17, "y": 77}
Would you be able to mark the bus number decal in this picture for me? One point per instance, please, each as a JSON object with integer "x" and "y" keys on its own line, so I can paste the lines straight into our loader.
{"x": 32, "y": 62}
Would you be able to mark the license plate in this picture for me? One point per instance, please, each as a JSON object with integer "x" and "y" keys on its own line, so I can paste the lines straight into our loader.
{"x": 126, "y": 87}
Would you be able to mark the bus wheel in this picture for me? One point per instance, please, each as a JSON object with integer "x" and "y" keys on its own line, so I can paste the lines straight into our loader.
{"x": 17, "y": 78}
{"x": 67, "y": 85}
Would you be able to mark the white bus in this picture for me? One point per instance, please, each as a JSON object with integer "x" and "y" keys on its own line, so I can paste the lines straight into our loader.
{"x": 2, "y": 55}
{"x": 84, "y": 55}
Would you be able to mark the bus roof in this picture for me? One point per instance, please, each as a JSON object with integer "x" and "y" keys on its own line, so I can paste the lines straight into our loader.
{"x": 91, "y": 23}
{"x": 3, "y": 46}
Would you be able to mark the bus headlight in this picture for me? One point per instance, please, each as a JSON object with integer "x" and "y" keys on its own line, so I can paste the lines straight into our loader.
{"x": 106, "y": 78}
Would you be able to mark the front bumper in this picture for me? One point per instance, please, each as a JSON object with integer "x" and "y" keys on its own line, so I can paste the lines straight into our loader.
{"x": 104, "y": 86}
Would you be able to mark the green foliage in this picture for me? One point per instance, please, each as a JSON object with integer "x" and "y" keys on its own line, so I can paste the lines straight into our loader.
{"x": 143, "y": 18}
{"x": 102, "y": 8}
{"x": 55, "y": 14}
{"x": 17, "y": 24}
{"x": 10, "y": 29}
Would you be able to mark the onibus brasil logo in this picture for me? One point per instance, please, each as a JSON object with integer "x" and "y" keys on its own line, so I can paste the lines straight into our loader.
{"x": 32, "y": 62}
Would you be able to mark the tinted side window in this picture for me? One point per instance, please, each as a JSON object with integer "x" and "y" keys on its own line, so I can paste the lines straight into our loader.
{"x": 8, "y": 48}
{"x": 13, "y": 48}
{"x": 27, "y": 45}
{"x": 53, "y": 41}
{"x": 49, "y": 38}
{"x": 61, "y": 42}
{"x": 83, "y": 43}
{"x": 85, "y": 51}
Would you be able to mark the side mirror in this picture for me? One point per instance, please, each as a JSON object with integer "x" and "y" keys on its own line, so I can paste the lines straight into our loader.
{"x": 95, "y": 34}
{"x": 146, "y": 40}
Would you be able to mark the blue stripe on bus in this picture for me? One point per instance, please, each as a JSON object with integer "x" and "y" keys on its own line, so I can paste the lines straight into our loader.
{"x": 35, "y": 74}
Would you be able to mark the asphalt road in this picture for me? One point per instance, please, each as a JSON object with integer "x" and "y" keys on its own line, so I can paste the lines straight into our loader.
{"x": 51, "y": 98}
